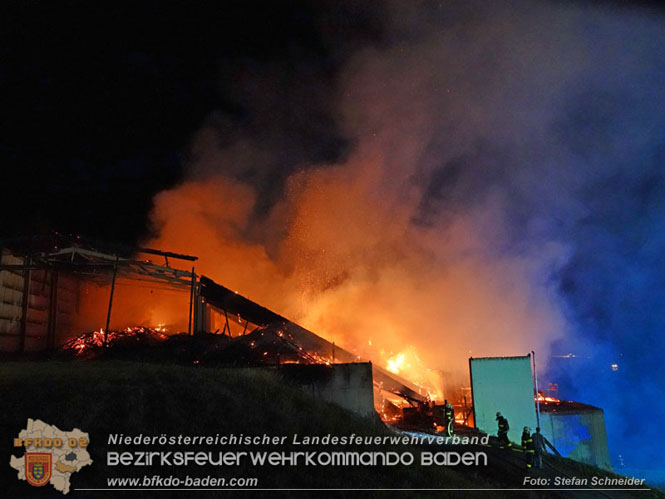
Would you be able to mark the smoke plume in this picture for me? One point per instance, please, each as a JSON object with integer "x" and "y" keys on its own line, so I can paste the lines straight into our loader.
{"x": 495, "y": 187}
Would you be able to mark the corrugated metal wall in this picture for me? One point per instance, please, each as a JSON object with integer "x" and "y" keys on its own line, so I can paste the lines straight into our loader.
{"x": 11, "y": 300}
{"x": 36, "y": 328}
{"x": 68, "y": 300}
{"x": 51, "y": 307}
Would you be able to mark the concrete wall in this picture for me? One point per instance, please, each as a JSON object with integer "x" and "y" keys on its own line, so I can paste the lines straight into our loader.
{"x": 347, "y": 385}
{"x": 578, "y": 435}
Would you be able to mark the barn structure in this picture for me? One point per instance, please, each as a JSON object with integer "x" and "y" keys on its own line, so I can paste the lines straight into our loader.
{"x": 49, "y": 296}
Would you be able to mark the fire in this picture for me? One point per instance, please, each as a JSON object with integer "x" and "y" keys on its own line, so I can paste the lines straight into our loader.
{"x": 342, "y": 265}
{"x": 396, "y": 364}
{"x": 134, "y": 303}
{"x": 82, "y": 342}
{"x": 546, "y": 399}
{"x": 409, "y": 365}
{"x": 96, "y": 339}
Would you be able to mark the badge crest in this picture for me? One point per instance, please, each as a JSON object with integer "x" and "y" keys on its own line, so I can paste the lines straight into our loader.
{"x": 37, "y": 468}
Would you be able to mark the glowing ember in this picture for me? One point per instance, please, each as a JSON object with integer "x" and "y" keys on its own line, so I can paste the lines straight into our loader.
{"x": 95, "y": 339}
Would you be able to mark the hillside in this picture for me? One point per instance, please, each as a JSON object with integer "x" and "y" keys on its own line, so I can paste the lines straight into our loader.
{"x": 105, "y": 397}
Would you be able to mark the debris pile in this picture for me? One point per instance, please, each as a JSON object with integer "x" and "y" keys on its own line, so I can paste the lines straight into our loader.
{"x": 269, "y": 345}
{"x": 93, "y": 343}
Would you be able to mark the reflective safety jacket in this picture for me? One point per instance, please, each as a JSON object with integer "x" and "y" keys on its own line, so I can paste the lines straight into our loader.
{"x": 527, "y": 443}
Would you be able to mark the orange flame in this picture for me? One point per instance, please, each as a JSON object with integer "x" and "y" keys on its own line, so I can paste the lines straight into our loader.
{"x": 546, "y": 399}
{"x": 396, "y": 363}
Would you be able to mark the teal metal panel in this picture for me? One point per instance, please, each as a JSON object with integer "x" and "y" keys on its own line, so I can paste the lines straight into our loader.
{"x": 503, "y": 384}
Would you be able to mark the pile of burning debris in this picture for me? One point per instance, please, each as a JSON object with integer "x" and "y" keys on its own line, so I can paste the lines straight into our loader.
{"x": 264, "y": 346}
{"x": 94, "y": 343}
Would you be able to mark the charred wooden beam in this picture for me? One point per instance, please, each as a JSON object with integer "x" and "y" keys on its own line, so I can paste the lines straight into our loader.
{"x": 223, "y": 298}
{"x": 167, "y": 254}
{"x": 27, "y": 275}
{"x": 108, "y": 314}
{"x": 53, "y": 311}
{"x": 191, "y": 302}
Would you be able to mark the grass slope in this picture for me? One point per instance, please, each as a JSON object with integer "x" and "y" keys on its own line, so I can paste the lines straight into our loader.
{"x": 106, "y": 397}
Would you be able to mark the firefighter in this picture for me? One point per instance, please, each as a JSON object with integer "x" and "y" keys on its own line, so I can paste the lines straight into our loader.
{"x": 449, "y": 418}
{"x": 502, "y": 434}
{"x": 528, "y": 447}
{"x": 539, "y": 447}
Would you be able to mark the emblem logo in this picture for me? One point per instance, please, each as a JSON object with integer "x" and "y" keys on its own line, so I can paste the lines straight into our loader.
{"x": 37, "y": 468}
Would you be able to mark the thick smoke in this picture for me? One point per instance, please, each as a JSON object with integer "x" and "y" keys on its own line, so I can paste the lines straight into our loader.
{"x": 499, "y": 191}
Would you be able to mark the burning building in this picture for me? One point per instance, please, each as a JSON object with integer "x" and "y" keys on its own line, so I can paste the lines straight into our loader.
{"x": 129, "y": 303}
{"x": 48, "y": 297}
{"x": 125, "y": 299}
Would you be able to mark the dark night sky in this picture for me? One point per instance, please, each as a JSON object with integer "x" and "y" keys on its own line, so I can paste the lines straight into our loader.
{"x": 101, "y": 103}
{"x": 101, "y": 100}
